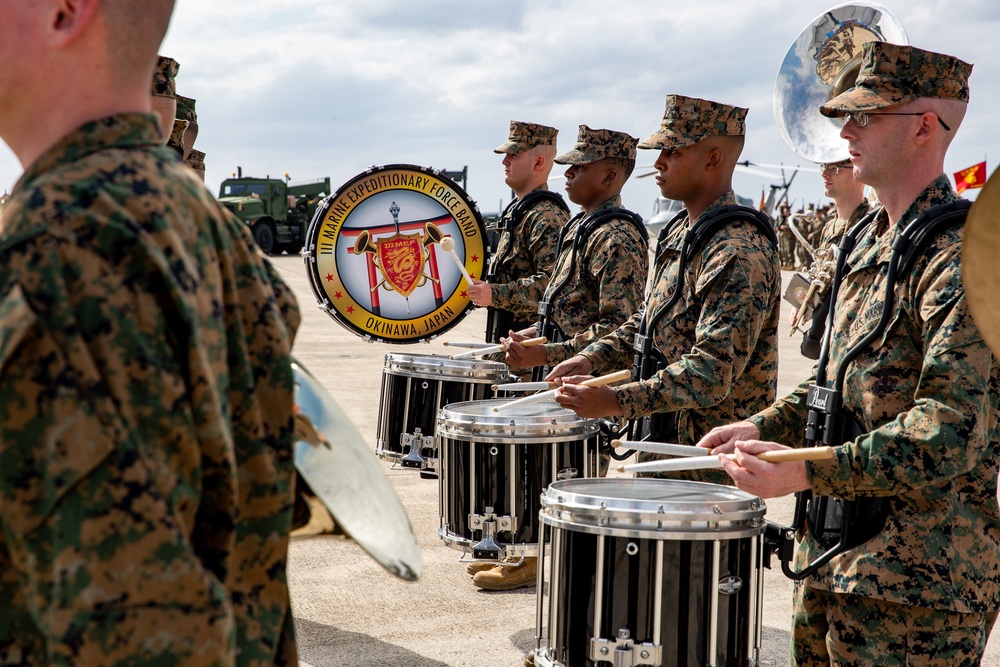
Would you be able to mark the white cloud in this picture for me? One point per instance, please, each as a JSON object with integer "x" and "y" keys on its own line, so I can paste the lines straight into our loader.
{"x": 317, "y": 89}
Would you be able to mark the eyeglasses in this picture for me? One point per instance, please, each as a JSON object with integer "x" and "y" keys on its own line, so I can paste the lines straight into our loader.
{"x": 834, "y": 168}
{"x": 860, "y": 118}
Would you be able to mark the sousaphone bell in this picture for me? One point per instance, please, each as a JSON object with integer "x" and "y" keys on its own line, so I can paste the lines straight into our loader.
{"x": 822, "y": 63}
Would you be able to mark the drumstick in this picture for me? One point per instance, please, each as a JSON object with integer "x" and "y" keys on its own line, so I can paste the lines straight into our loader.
{"x": 472, "y": 345}
{"x": 592, "y": 382}
{"x": 448, "y": 245}
{"x": 498, "y": 348}
{"x": 661, "y": 448}
{"x": 707, "y": 462}
{"x": 525, "y": 386}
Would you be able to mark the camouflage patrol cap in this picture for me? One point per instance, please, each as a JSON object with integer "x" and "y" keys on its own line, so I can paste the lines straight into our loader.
{"x": 525, "y": 136}
{"x": 163, "y": 77}
{"x": 196, "y": 160}
{"x": 688, "y": 120}
{"x": 892, "y": 74}
{"x": 185, "y": 109}
{"x": 593, "y": 145}
{"x": 176, "y": 140}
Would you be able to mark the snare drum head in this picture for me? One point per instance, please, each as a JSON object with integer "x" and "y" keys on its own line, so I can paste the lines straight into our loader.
{"x": 533, "y": 422}
{"x": 626, "y": 506}
{"x": 373, "y": 254}
{"x": 436, "y": 366}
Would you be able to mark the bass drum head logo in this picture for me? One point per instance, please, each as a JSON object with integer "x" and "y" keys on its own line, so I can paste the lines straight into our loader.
{"x": 374, "y": 257}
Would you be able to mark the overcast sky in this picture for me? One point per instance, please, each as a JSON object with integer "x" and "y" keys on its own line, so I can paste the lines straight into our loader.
{"x": 316, "y": 88}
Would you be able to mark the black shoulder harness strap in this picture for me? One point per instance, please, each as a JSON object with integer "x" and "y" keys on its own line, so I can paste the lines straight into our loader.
{"x": 705, "y": 227}
{"x": 547, "y": 326}
{"x": 518, "y": 208}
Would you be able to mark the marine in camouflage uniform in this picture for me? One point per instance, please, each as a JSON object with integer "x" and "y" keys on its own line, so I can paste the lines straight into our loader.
{"x": 720, "y": 339}
{"x": 594, "y": 292}
{"x": 926, "y": 393}
{"x": 526, "y": 249}
{"x": 146, "y": 471}
{"x": 597, "y": 287}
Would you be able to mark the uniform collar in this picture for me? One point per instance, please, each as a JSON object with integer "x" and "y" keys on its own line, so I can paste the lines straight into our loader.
{"x": 129, "y": 130}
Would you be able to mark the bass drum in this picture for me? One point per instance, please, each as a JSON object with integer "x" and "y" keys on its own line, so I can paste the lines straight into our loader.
{"x": 494, "y": 467}
{"x": 373, "y": 259}
{"x": 666, "y": 570}
{"x": 414, "y": 388}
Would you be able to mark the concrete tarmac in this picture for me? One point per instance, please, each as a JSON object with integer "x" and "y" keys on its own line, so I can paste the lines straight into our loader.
{"x": 349, "y": 611}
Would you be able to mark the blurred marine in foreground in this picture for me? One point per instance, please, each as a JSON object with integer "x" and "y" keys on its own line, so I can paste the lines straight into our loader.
{"x": 146, "y": 472}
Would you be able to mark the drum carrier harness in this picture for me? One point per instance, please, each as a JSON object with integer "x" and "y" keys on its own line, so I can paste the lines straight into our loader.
{"x": 835, "y": 523}
{"x": 662, "y": 426}
{"x": 498, "y": 321}
{"x": 546, "y": 324}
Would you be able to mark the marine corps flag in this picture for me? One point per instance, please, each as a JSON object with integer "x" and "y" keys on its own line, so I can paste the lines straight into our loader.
{"x": 763, "y": 202}
{"x": 973, "y": 177}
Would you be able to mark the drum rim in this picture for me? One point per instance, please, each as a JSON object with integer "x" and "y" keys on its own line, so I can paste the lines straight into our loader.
{"x": 711, "y": 519}
{"x": 559, "y": 426}
{"x": 434, "y": 367}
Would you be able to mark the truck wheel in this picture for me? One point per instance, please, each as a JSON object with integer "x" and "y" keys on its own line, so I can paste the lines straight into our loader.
{"x": 263, "y": 234}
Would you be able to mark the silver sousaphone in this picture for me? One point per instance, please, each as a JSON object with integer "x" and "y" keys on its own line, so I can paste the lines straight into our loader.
{"x": 822, "y": 63}
{"x": 338, "y": 467}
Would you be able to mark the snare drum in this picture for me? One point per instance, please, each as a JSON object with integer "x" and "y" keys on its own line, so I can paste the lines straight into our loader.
{"x": 494, "y": 466}
{"x": 667, "y": 570}
{"x": 414, "y": 388}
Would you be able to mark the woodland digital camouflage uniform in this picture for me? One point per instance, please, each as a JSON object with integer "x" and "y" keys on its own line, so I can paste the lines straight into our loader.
{"x": 528, "y": 254}
{"x": 603, "y": 287}
{"x": 196, "y": 160}
{"x": 720, "y": 339}
{"x": 164, "y": 77}
{"x": 145, "y": 416}
{"x": 525, "y": 256}
{"x": 176, "y": 138}
{"x": 926, "y": 394}
{"x": 834, "y": 228}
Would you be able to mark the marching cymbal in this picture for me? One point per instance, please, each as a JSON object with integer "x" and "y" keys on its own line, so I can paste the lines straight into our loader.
{"x": 342, "y": 472}
{"x": 980, "y": 267}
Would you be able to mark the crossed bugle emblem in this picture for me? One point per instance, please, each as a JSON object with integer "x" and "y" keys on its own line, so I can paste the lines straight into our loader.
{"x": 401, "y": 258}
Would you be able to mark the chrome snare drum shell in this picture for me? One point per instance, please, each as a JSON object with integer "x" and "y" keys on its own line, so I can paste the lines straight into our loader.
{"x": 414, "y": 388}
{"x": 652, "y": 508}
{"x": 648, "y": 572}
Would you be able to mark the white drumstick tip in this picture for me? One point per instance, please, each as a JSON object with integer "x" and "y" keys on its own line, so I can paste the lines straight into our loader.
{"x": 448, "y": 245}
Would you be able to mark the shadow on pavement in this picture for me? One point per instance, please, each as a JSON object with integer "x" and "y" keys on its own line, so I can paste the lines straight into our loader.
{"x": 323, "y": 645}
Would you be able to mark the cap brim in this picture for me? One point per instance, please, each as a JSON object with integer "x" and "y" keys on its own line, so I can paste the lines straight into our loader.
{"x": 857, "y": 99}
{"x": 665, "y": 140}
{"x": 510, "y": 148}
{"x": 576, "y": 157}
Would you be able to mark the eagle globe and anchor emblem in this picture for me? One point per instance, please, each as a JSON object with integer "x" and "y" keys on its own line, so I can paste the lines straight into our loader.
{"x": 388, "y": 281}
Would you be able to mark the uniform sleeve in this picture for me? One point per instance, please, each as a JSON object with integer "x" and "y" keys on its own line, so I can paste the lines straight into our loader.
{"x": 946, "y": 432}
{"x": 618, "y": 263}
{"x": 102, "y": 563}
{"x": 541, "y": 227}
{"x": 736, "y": 304}
{"x": 615, "y": 350}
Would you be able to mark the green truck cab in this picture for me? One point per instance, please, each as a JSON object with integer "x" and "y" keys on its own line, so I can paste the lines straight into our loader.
{"x": 277, "y": 212}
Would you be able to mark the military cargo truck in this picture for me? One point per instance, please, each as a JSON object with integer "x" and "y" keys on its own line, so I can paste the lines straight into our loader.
{"x": 277, "y": 212}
